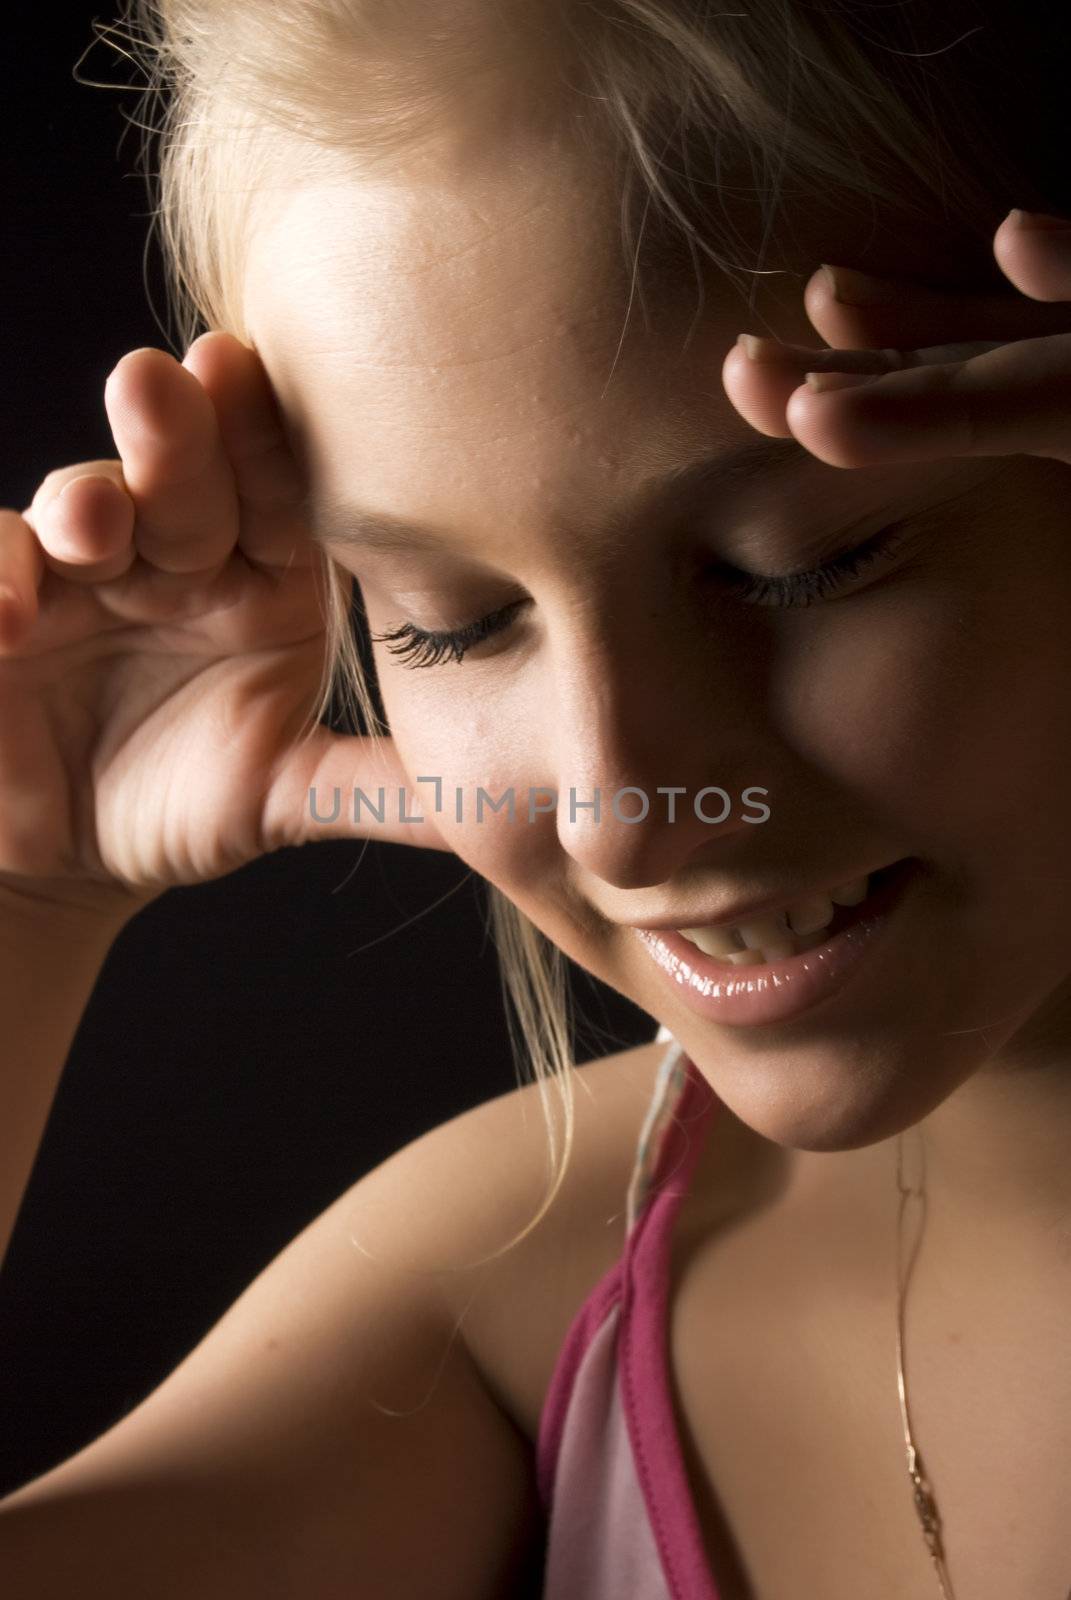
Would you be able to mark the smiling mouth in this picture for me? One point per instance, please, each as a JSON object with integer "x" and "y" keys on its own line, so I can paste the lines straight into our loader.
{"x": 801, "y": 925}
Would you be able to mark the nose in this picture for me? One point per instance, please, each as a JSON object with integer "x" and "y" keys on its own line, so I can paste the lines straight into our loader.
{"x": 655, "y": 756}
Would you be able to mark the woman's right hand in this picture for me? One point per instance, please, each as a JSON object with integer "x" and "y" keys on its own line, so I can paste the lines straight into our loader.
{"x": 161, "y": 648}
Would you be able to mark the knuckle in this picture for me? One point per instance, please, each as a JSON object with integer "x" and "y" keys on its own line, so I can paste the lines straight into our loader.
{"x": 177, "y": 480}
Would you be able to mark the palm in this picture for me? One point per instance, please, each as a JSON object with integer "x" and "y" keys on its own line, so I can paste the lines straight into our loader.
{"x": 144, "y": 749}
{"x": 157, "y": 719}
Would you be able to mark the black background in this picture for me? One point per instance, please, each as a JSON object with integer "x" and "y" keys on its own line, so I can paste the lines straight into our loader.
{"x": 240, "y": 1063}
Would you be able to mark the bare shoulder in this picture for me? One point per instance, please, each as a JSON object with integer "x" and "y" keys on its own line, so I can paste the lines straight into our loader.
{"x": 514, "y": 1312}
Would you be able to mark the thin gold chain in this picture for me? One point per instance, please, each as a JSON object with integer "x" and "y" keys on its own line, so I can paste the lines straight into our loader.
{"x": 925, "y": 1504}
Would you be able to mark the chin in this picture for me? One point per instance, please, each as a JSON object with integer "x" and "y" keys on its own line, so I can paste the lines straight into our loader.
{"x": 823, "y": 1099}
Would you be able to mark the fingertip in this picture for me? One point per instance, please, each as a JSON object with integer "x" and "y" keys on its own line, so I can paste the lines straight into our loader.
{"x": 820, "y": 292}
{"x": 207, "y": 342}
{"x": 735, "y": 361}
{"x": 752, "y": 397}
{"x": 120, "y": 374}
{"x": 1036, "y": 260}
{"x": 130, "y": 355}
{"x": 196, "y": 346}
{"x": 809, "y": 419}
{"x": 1038, "y": 221}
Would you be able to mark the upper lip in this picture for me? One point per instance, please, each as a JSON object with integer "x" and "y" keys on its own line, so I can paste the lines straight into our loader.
{"x": 742, "y": 911}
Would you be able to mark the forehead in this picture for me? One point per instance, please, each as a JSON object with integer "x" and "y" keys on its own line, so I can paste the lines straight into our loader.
{"x": 456, "y": 319}
{"x": 511, "y": 276}
{"x": 457, "y": 346}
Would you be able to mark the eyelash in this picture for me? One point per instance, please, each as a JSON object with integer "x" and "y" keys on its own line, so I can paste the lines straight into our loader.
{"x": 805, "y": 588}
{"x": 428, "y": 649}
{"x": 425, "y": 648}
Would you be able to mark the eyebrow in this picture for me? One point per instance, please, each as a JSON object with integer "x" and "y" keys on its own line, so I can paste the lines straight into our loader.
{"x": 353, "y": 526}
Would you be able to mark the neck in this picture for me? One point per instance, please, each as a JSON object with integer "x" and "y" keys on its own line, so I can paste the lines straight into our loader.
{"x": 997, "y": 1172}
{"x": 994, "y": 1160}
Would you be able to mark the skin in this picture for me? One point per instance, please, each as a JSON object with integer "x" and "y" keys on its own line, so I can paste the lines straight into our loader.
{"x": 446, "y": 345}
{"x": 400, "y": 322}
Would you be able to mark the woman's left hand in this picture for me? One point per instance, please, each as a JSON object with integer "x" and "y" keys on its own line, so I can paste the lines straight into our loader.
{"x": 1009, "y": 394}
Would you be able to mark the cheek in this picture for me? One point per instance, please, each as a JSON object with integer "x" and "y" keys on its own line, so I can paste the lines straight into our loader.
{"x": 461, "y": 738}
{"x": 873, "y": 697}
{"x": 940, "y": 705}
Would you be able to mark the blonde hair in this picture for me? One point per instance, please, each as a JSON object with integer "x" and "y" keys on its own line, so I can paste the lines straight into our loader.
{"x": 705, "y": 121}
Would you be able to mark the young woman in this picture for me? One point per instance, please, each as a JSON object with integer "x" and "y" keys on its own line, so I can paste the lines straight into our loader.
{"x": 742, "y": 686}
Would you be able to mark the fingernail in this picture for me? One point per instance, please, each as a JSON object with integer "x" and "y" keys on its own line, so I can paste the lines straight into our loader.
{"x": 820, "y": 382}
{"x": 83, "y": 477}
{"x": 762, "y": 350}
{"x": 51, "y": 507}
{"x": 1041, "y": 220}
{"x": 853, "y": 288}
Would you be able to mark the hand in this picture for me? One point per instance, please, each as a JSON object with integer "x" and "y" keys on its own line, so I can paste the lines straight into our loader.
{"x": 161, "y": 646}
{"x": 1009, "y": 394}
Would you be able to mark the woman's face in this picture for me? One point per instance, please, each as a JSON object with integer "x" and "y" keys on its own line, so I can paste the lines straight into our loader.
{"x": 449, "y": 352}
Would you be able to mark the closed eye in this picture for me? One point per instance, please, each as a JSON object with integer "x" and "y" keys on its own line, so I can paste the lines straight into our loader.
{"x": 817, "y": 583}
{"x": 424, "y": 647}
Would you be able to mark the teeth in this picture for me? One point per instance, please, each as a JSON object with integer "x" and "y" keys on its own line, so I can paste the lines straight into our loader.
{"x": 762, "y": 932}
{"x": 773, "y": 937}
{"x": 776, "y": 949}
{"x": 807, "y": 916}
{"x": 851, "y": 894}
{"x": 713, "y": 941}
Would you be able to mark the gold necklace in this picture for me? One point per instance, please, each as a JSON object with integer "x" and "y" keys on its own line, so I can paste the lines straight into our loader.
{"x": 925, "y": 1504}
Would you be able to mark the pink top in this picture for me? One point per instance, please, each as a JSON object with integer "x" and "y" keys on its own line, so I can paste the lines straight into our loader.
{"x": 610, "y": 1470}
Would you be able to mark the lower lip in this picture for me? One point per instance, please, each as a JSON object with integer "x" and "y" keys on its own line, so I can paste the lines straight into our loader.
{"x": 777, "y": 990}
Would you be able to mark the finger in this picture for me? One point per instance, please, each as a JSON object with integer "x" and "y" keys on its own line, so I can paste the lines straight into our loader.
{"x": 1011, "y": 400}
{"x": 759, "y": 375}
{"x": 174, "y": 465}
{"x": 84, "y": 521}
{"x": 312, "y": 795}
{"x": 852, "y": 309}
{"x": 1035, "y": 253}
{"x": 21, "y": 567}
{"x": 267, "y": 478}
